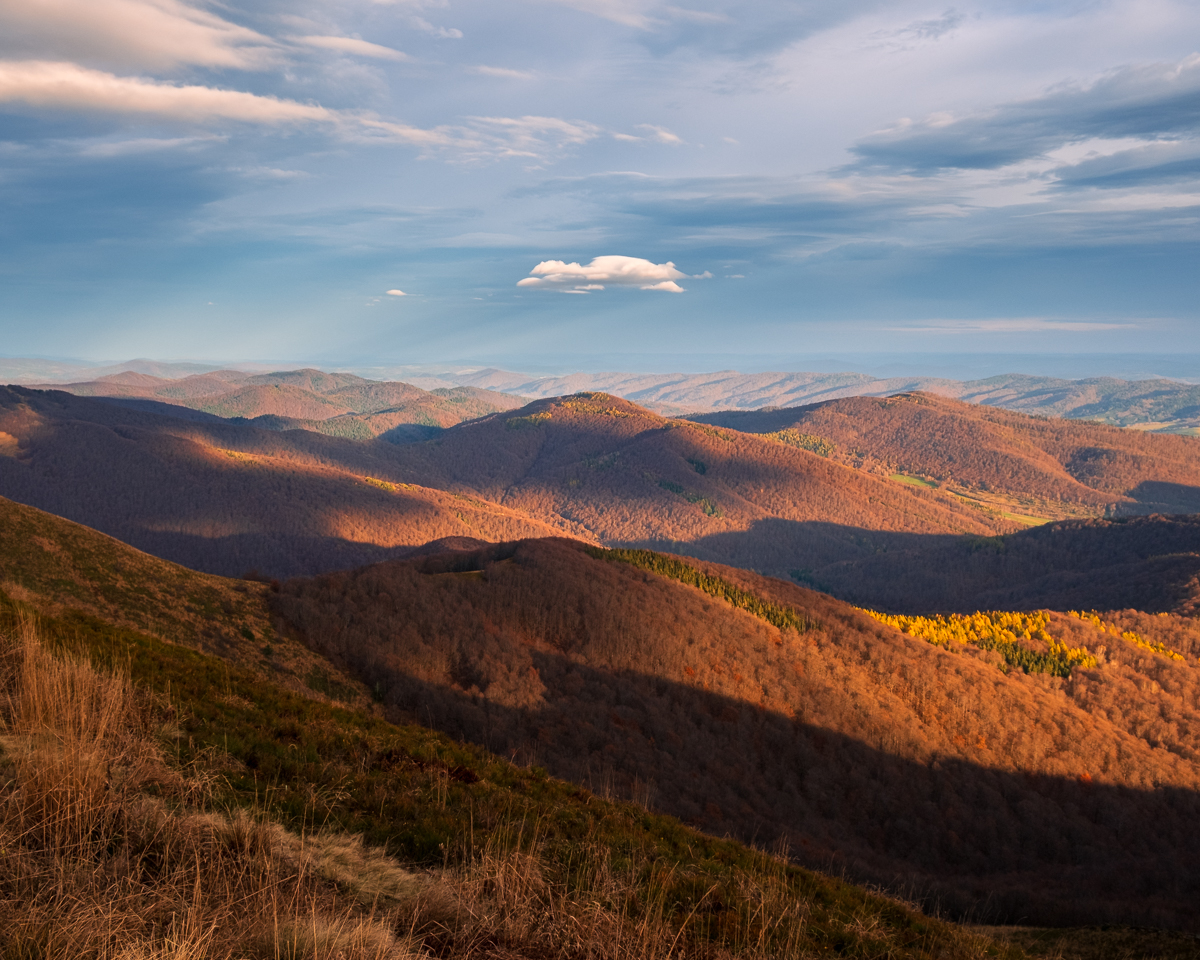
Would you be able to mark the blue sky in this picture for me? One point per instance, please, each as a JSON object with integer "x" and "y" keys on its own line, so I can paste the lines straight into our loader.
{"x": 248, "y": 180}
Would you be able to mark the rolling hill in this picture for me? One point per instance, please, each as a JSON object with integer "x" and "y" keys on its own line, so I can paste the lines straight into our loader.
{"x": 758, "y": 708}
{"x": 1155, "y": 404}
{"x": 1054, "y": 465}
{"x": 162, "y": 801}
{"x": 942, "y": 771}
{"x": 339, "y": 404}
{"x": 226, "y": 497}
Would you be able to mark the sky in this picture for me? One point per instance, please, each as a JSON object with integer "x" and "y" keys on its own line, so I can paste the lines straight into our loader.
{"x": 632, "y": 183}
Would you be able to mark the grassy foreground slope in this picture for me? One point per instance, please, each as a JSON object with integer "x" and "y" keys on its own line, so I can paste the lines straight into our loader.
{"x": 753, "y": 706}
{"x": 208, "y": 811}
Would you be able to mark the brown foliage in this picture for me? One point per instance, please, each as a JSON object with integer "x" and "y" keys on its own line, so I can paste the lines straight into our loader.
{"x": 995, "y": 450}
{"x": 902, "y": 762}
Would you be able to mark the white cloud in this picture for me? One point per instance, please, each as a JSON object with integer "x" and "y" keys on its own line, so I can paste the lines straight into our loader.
{"x": 614, "y": 270}
{"x": 661, "y": 134}
{"x": 532, "y": 136}
{"x": 352, "y": 45}
{"x": 397, "y": 293}
{"x": 68, "y": 86}
{"x": 131, "y": 34}
{"x": 503, "y": 72}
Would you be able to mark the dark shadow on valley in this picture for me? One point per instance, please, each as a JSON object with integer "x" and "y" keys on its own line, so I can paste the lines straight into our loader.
{"x": 1150, "y": 563}
{"x": 1155, "y": 496}
{"x": 965, "y": 840}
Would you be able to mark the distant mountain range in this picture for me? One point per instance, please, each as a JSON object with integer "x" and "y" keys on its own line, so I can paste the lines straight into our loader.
{"x": 344, "y": 404}
{"x": 1165, "y": 405}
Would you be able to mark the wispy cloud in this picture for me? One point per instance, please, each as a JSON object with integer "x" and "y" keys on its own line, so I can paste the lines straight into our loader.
{"x": 352, "y": 45}
{"x": 504, "y": 72}
{"x": 68, "y": 86}
{"x": 1009, "y": 325}
{"x": 1144, "y": 101}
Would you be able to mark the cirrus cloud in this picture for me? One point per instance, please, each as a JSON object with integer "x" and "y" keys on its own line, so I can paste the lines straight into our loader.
{"x": 352, "y": 45}
{"x": 615, "y": 270}
{"x": 68, "y": 86}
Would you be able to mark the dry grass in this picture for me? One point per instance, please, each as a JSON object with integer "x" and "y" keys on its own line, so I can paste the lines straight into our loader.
{"x": 102, "y": 857}
{"x": 109, "y": 852}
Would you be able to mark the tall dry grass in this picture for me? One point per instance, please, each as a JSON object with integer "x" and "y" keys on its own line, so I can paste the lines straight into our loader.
{"x": 102, "y": 856}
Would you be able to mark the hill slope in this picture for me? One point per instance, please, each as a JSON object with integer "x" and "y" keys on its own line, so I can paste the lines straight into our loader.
{"x": 176, "y": 818}
{"x": 339, "y": 404}
{"x": 1056, "y": 465}
{"x": 943, "y": 770}
{"x": 226, "y": 497}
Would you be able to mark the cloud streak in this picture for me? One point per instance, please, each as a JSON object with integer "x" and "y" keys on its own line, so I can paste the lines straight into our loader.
{"x": 154, "y": 34}
{"x": 351, "y": 45}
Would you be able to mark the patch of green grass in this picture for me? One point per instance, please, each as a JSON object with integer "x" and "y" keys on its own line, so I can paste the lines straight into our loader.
{"x": 914, "y": 481}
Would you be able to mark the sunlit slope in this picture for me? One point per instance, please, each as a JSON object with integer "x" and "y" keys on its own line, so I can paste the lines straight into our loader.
{"x": 225, "y": 497}
{"x": 194, "y": 797}
{"x": 53, "y": 565}
{"x": 626, "y": 475}
{"x": 945, "y": 769}
{"x": 1070, "y": 466}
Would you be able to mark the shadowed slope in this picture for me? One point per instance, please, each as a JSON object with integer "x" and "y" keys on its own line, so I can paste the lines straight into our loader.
{"x": 224, "y": 497}
{"x": 904, "y": 762}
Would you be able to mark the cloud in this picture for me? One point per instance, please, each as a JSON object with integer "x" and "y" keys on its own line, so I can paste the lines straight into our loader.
{"x": 660, "y": 134}
{"x": 1148, "y": 101}
{"x": 532, "y": 136}
{"x": 68, "y": 86}
{"x": 502, "y": 72}
{"x": 351, "y": 45}
{"x": 132, "y": 34}
{"x": 614, "y": 270}
{"x": 397, "y": 293}
{"x": 628, "y": 13}
{"x": 1011, "y": 325}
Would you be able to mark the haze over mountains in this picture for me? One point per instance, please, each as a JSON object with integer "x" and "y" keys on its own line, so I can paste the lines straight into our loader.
{"x": 1153, "y": 403}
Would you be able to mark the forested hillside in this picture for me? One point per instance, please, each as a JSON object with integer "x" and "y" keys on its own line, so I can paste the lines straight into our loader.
{"x": 1063, "y": 466}
{"x": 753, "y": 706}
{"x": 159, "y": 802}
{"x": 227, "y": 497}
{"x": 224, "y": 497}
{"x": 338, "y": 404}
